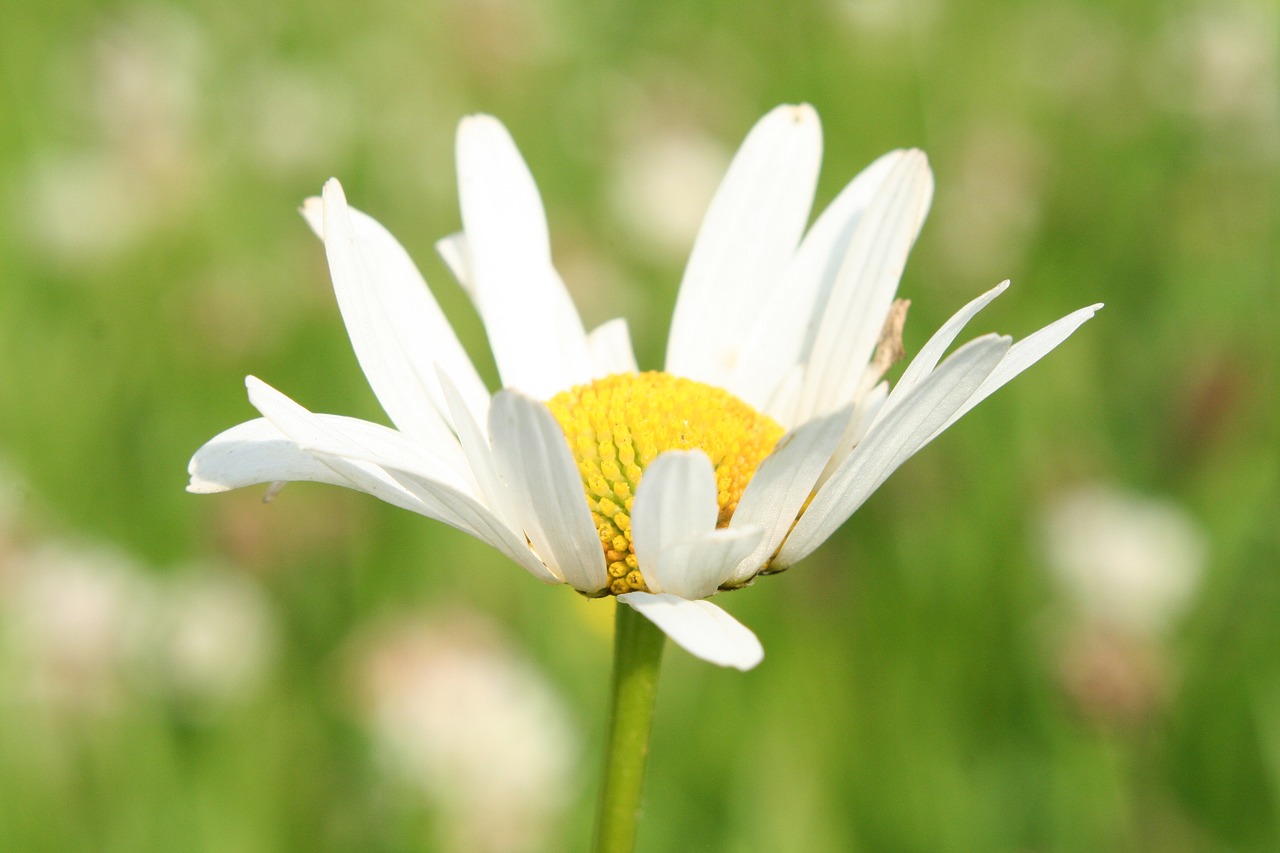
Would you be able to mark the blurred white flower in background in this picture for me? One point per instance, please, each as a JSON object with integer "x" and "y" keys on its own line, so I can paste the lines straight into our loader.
{"x": 1126, "y": 562}
{"x": 212, "y": 637}
{"x": 71, "y": 615}
{"x": 135, "y": 164}
{"x": 87, "y": 628}
{"x": 663, "y": 178}
{"x": 296, "y": 120}
{"x": 888, "y": 19}
{"x": 992, "y": 207}
{"x": 454, "y": 711}
{"x": 1221, "y": 63}
{"x": 1127, "y": 567}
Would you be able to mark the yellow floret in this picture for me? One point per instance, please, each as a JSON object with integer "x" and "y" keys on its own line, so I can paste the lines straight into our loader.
{"x": 619, "y": 424}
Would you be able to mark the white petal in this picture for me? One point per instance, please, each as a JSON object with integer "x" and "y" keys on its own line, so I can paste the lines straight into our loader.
{"x": 533, "y": 458}
{"x": 352, "y": 438}
{"x": 908, "y": 427}
{"x": 782, "y": 335}
{"x": 931, "y": 353}
{"x": 1025, "y": 353}
{"x": 397, "y": 330}
{"x": 746, "y": 241}
{"x": 611, "y": 351}
{"x": 863, "y": 418}
{"x": 673, "y": 522}
{"x": 700, "y": 628}
{"x": 781, "y": 485}
{"x": 384, "y": 467}
{"x": 537, "y": 338}
{"x": 457, "y": 257}
{"x": 851, "y": 319}
{"x": 304, "y": 428}
{"x": 785, "y": 399}
{"x": 252, "y": 453}
{"x": 697, "y": 567}
{"x": 475, "y": 444}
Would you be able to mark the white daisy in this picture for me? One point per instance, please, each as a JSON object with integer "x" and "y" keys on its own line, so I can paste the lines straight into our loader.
{"x": 768, "y": 427}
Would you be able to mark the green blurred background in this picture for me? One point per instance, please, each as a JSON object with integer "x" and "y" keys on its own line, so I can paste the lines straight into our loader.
{"x": 327, "y": 673}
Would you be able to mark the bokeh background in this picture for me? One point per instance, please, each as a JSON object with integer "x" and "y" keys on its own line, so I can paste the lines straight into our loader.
{"x": 1057, "y": 629}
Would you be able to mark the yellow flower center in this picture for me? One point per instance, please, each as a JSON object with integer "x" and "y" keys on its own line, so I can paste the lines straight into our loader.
{"x": 619, "y": 424}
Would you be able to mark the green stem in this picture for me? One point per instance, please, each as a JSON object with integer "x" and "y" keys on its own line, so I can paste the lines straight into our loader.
{"x": 637, "y": 655}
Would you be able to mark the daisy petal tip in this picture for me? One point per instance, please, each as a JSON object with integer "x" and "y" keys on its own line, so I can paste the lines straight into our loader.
{"x": 333, "y": 191}
{"x": 701, "y": 628}
{"x": 802, "y": 113}
{"x": 312, "y": 210}
{"x": 198, "y": 486}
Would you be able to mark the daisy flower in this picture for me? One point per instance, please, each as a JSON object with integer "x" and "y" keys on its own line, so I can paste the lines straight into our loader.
{"x": 769, "y": 426}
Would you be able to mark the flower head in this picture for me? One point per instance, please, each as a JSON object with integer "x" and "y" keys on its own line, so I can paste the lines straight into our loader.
{"x": 769, "y": 426}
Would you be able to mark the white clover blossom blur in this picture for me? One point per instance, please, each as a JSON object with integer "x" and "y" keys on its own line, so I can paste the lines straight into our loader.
{"x": 72, "y": 617}
{"x": 85, "y": 627}
{"x": 1124, "y": 561}
{"x": 769, "y": 425}
{"x": 455, "y": 712}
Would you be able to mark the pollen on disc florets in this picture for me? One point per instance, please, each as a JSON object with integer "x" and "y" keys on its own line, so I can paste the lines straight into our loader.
{"x": 619, "y": 424}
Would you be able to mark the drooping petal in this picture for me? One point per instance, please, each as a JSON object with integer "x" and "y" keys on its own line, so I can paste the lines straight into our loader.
{"x": 905, "y": 429}
{"x": 1023, "y": 354}
{"x": 782, "y": 333}
{"x": 852, "y": 317}
{"x": 611, "y": 351}
{"x": 746, "y": 241}
{"x": 396, "y": 328}
{"x": 253, "y": 453}
{"x": 673, "y": 524}
{"x": 375, "y": 460}
{"x": 781, "y": 485}
{"x": 700, "y": 628}
{"x": 533, "y": 458}
{"x": 537, "y": 338}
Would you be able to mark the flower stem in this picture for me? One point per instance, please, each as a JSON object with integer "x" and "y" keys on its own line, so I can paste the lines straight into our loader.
{"x": 637, "y": 656}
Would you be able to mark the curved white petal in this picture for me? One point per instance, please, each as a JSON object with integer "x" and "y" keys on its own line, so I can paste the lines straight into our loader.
{"x": 611, "y": 351}
{"x": 854, "y": 314}
{"x": 457, "y": 257}
{"x": 787, "y": 320}
{"x": 864, "y": 416}
{"x": 537, "y": 338}
{"x": 383, "y": 466}
{"x": 533, "y": 458}
{"x": 781, "y": 485}
{"x": 695, "y": 568}
{"x": 700, "y": 628}
{"x": 745, "y": 243}
{"x": 253, "y": 453}
{"x": 1023, "y": 354}
{"x": 396, "y": 328}
{"x": 675, "y": 501}
{"x": 673, "y": 524}
{"x": 475, "y": 444}
{"x": 931, "y": 353}
{"x": 906, "y": 428}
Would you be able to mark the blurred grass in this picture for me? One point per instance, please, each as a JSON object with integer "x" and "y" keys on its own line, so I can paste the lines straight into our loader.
{"x": 909, "y": 698}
